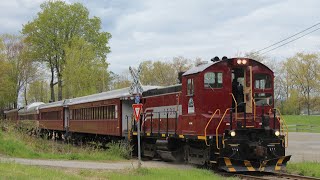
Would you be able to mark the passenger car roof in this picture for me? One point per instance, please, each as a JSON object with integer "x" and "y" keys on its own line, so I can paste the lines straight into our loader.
{"x": 119, "y": 93}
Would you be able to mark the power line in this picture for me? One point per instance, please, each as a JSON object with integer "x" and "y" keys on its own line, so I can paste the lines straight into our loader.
{"x": 290, "y": 41}
{"x": 288, "y": 37}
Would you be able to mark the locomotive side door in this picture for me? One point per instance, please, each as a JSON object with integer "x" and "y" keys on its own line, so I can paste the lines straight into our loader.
{"x": 238, "y": 87}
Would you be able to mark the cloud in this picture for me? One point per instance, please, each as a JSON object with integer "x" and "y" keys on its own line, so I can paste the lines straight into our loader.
{"x": 161, "y": 30}
{"x": 14, "y": 13}
{"x": 210, "y": 28}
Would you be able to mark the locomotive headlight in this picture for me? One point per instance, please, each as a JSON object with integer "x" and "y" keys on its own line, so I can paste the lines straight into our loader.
{"x": 239, "y": 61}
{"x": 244, "y": 61}
{"x": 277, "y": 133}
{"x": 232, "y": 133}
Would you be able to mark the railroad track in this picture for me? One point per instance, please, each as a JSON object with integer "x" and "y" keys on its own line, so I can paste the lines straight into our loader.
{"x": 268, "y": 176}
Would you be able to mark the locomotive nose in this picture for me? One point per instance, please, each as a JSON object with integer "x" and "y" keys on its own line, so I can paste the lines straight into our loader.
{"x": 260, "y": 151}
{"x": 268, "y": 165}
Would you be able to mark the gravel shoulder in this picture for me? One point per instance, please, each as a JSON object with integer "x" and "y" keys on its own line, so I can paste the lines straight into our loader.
{"x": 130, "y": 164}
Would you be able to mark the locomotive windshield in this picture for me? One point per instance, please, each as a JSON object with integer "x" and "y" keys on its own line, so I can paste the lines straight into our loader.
{"x": 262, "y": 81}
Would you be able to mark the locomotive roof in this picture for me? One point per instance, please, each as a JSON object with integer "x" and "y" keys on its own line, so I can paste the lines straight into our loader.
{"x": 11, "y": 111}
{"x": 199, "y": 68}
{"x": 203, "y": 67}
{"x": 163, "y": 90}
{"x": 107, "y": 95}
{"x": 31, "y": 109}
{"x": 54, "y": 104}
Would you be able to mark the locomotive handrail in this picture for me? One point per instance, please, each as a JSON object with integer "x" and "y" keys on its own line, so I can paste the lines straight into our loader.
{"x": 217, "y": 139}
{"x": 254, "y": 107}
{"x": 205, "y": 129}
{"x": 236, "y": 105}
{"x": 285, "y": 124}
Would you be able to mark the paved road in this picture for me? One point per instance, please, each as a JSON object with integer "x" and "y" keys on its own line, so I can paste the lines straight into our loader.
{"x": 302, "y": 147}
{"x": 94, "y": 165}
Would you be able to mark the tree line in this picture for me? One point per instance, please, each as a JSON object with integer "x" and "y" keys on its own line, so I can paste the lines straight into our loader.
{"x": 62, "y": 44}
{"x": 62, "y": 53}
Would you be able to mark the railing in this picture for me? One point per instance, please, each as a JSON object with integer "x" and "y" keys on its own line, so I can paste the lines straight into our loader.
{"x": 236, "y": 105}
{"x": 144, "y": 117}
{"x": 304, "y": 128}
{"x": 217, "y": 129}
{"x": 205, "y": 129}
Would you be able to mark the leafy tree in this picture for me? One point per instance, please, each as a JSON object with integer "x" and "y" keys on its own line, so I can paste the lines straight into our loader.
{"x": 38, "y": 91}
{"x": 163, "y": 73}
{"x": 292, "y": 105}
{"x": 53, "y": 31}
{"x": 158, "y": 73}
{"x": 182, "y": 64}
{"x": 303, "y": 74}
{"x": 83, "y": 73}
{"x": 21, "y": 69}
{"x": 119, "y": 81}
{"x": 7, "y": 86}
{"x": 12, "y": 48}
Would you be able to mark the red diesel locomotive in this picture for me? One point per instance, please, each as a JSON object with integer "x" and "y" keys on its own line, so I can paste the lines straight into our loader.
{"x": 222, "y": 114}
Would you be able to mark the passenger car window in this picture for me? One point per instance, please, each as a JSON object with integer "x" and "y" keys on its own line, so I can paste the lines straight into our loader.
{"x": 213, "y": 80}
{"x": 262, "y": 81}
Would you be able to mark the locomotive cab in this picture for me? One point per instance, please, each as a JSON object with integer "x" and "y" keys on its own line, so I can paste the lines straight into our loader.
{"x": 230, "y": 102}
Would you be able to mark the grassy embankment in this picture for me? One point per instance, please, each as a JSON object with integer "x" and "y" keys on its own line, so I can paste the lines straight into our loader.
{"x": 18, "y": 144}
{"x": 305, "y": 123}
{"x": 304, "y": 168}
{"x": 17, "y": 171}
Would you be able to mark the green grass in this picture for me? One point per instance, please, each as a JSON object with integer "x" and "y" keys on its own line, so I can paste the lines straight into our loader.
{"x": 17, "y": 171}
{"x": 165, "y": 173}
{"x": 306, "y": 121}
{"x": 18, "y": 144}
{"x": 304, "y": 168}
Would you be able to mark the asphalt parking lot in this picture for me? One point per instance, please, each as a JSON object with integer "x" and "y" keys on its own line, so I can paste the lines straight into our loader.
{"x": 304, "y": 146}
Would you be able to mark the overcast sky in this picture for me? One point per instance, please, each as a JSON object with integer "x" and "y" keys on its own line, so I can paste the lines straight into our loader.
{"x": 160, "y": 30}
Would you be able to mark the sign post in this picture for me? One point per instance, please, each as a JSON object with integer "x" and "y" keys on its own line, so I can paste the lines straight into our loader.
{"x": 137, "y": 109}
{"x": 137, "y": 90}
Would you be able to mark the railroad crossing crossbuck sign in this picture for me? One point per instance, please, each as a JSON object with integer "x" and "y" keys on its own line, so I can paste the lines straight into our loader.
{"x": 137, "y": 108}
{"x": 136, "y": 87}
